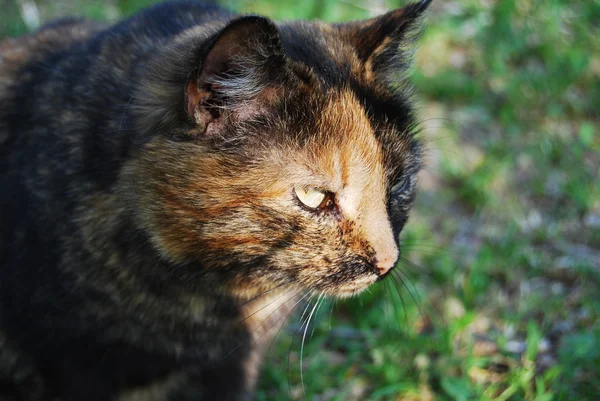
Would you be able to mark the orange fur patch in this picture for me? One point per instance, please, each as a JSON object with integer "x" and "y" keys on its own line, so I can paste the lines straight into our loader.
{"x": 209, "y": 206}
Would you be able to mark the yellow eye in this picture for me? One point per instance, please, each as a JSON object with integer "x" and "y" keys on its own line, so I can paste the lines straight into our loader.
{"x": 311, "y": 197}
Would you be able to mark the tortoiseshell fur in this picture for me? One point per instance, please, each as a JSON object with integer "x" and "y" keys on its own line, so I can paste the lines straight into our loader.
{"x": 150, "y": 239}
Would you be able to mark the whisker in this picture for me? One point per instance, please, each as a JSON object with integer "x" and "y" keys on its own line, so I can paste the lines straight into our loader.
{"x": 267, "y": 305}
{"x": 312, "y": 295}
{"x": 386, "y": 284}
{"x": 263, "y": 294}
{"x": 423, "y": 245}
{"x": 276, "y": 309}
{"x": 302, "y": 321}
{"x": 399, "y": 293}
{"x": 428, "y": 249}
{"x": 413, "y": 290}
{"x": 417, "y": 304}
{"x": 420, "y": 241}
{"x": 264, "y": 320}
{"x": 429, "y": 242}
{"x": 287, "y": 316}
{"x": 411, "y": 264}
{"x": 317, "y": 314}
{"x": 333, "y": 304}
{"x": 444, "y": 119}
{"x": 304, "y": 338}
{"x": 421, "y": 269}
{"x": 391, "y": 285}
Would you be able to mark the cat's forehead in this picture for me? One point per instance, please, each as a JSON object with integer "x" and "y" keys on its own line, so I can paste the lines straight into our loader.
{"x": 342, "y": 153}
{"x": 347, "y": 90}
{"x": 344, "y": 145}
{"x": 318, "y": 46}
{"x": 331, "y": 56}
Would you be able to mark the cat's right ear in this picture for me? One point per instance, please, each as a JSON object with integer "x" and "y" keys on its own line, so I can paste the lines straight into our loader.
{"x": 385, "y": 44}
{"x": 236, "y": 68}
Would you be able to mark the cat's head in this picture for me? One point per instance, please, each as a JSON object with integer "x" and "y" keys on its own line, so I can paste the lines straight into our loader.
{"x": 280, "y": 154}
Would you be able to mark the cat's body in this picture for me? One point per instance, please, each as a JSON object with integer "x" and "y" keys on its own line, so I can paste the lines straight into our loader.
{"x": 155, "y": 227}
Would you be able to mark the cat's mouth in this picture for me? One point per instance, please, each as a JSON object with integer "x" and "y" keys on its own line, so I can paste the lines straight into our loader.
{"x": 352, "y": 288}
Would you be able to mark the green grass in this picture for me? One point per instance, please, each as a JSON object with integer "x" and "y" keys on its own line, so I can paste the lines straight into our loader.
{"x": 501, "y": 299}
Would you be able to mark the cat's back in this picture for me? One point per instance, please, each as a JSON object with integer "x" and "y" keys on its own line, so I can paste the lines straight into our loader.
{"x": 18, "y": 53}
{"x": 15, "y": 53}
{"x": 69, "y": 35}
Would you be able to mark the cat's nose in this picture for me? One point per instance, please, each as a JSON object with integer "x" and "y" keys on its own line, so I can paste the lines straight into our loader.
{"x": 385, "y": 248}
{"x": 385, "y": 264}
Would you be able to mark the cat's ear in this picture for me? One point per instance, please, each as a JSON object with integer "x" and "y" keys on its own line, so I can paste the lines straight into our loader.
{"x": 239, "y": 64}
{"x": 385, "y": 43}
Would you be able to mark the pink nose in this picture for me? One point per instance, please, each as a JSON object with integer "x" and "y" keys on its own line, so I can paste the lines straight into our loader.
{"x": 384, "y": 265}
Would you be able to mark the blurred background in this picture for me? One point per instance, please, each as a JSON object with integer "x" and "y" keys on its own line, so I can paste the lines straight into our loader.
{"x": 498, "y": 293}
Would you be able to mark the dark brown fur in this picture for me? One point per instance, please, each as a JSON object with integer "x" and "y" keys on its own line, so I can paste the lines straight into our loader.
{"x": 151, "y": 236}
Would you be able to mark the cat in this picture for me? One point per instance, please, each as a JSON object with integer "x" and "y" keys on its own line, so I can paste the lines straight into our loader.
{"x": 173, "y": 185}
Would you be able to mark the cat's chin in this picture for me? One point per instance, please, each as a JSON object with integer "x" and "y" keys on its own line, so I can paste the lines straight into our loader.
{"x": 351, "y": 289}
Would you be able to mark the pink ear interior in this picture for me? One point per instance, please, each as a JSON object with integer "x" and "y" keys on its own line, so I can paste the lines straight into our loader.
{"x": 196, "y": 99}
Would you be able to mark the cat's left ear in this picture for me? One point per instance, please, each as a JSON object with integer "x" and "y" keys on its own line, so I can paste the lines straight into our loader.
{"x": 384, "y": 44}
{"x": 239, "y": 65}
